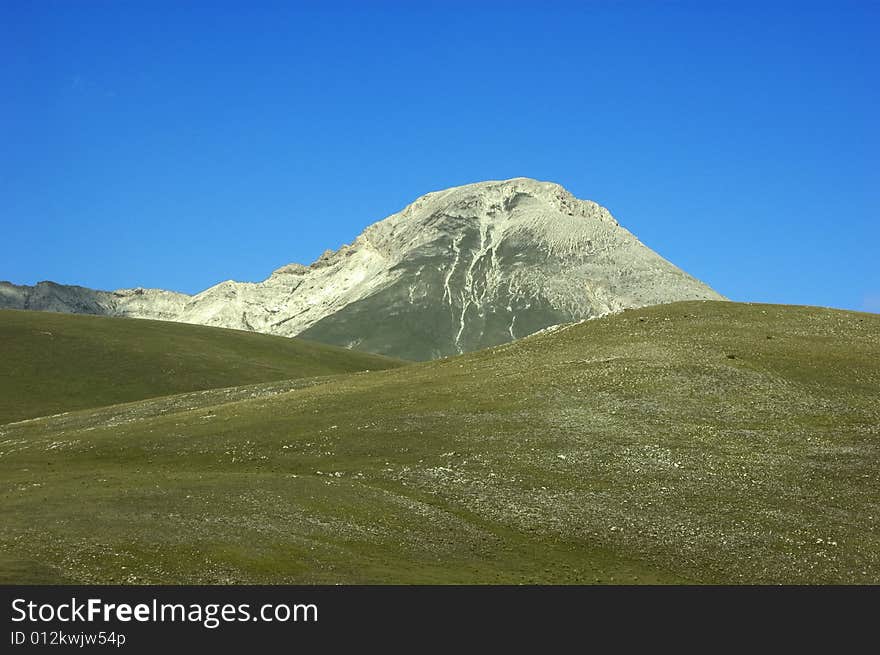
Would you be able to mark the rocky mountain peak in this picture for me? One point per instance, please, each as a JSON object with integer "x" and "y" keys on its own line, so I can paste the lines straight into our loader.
{"x": 455, "y": 270}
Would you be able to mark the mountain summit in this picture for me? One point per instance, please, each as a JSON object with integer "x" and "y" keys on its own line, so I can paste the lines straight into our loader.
{"x": 457, "y": 270}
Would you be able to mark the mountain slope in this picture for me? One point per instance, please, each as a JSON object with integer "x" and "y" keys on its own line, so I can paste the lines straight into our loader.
{"x": 699, "y": 441}
{"x": 53, "y": 363}
{"x": 455, "y": 271}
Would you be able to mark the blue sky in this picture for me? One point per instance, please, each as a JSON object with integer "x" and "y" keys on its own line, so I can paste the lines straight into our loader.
{"x": 178, "y": 144}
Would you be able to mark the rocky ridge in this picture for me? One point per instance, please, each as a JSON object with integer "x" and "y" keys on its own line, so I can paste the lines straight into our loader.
{"x": 457, "y": 270}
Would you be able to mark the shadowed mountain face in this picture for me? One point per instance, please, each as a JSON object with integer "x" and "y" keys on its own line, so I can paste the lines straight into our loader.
{"x": 455, "y": 271}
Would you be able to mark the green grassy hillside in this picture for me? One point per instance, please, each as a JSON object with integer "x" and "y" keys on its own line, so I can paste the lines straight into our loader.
{"x": 52, "y": 363}
{"x": 700, "y": 442}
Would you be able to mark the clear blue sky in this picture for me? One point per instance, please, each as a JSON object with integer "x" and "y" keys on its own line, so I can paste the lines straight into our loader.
{"x": 178, "y": 144}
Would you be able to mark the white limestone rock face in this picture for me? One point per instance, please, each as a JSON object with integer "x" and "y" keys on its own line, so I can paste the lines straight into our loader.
{"x": 455, "y": 271}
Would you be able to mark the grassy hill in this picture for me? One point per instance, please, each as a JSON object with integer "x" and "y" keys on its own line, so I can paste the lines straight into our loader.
{"x": 52, "y": 363}
{"x": 701, "y": 442}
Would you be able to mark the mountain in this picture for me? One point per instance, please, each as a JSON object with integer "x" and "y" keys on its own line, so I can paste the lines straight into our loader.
{"x": 457, "y": 270}
{"x": 52, "y": 363}
{"x": 701, "y": 442}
